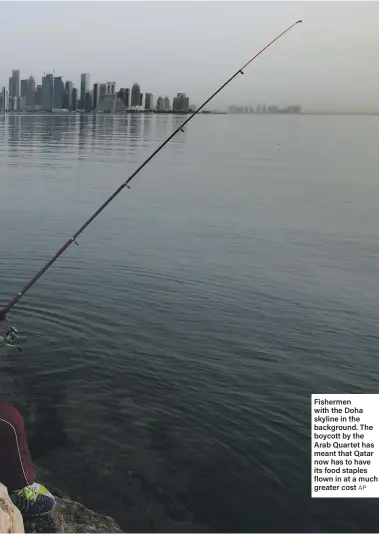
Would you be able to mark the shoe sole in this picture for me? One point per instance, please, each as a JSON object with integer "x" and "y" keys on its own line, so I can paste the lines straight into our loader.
{"x": 44, "y": 513}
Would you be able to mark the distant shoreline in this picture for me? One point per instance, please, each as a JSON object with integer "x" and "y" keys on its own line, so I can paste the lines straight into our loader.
{"x": 310, "y": 113}
{"x": 339, "y": 113}
{"x": 146, "y": 112}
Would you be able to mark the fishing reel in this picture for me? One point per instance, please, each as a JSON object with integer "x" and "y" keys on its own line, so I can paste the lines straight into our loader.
{"x": 9, "y": 338}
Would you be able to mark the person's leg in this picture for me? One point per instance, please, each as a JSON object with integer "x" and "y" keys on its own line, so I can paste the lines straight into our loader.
{"x": 16, "y": 467}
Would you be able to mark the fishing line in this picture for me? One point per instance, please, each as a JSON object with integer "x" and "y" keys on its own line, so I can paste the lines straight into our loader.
{"x": 3, "y": 313}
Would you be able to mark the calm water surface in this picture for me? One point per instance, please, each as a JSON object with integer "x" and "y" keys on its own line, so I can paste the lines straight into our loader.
{"x": 168, "y": 361}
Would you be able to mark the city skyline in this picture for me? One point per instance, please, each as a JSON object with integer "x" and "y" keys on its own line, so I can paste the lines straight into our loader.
{"x": 332, "y": 68}
{"x": 54, "y": 94}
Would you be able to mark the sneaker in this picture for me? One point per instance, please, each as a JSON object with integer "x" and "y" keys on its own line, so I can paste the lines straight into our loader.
{"x": 33, "y": 500}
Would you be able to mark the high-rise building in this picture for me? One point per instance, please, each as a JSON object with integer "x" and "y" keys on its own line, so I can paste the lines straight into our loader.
{"x": 85, "y": 81}
{"x": 88, "y": 101}
{"x": 141, "y": 99}
{"x": 58, "y": 94}
{"x": 15, "y": 83}
{"x": 47, "y": 92}
{"x": 38, "y": 96}
{"x": 135, "y": 96}
{"x": 31, "y": 91}
{"x": 67, "y": 100}
{"x": 127, "y": 98}
{"x": 24, "y": 87}
{"x": 110, "y": 88}
{"x": 96, "y": 95}
{"x": 123, "y": 94}
{"x": 10, "y": 86}
{"x": 186, "y": 103}
{"x": 5, "y": 99}
{"x": 74, "y": 104}
{"x": 159, "y": 104}
{"x": 167, "y": 103}
{"x": 163, "y": 104}
{"x": 181, "y": 103}
{"x": 149, "y": 101}
{"x": 176, "y": 105}
{"x": 21, "y": 103}
{"x": 103, "y": 89}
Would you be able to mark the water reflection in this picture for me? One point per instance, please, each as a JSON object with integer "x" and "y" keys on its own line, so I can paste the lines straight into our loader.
{"x": 136, "y": 128}
{"x": 46, "y": 132}
{"x": 13, "y": 126}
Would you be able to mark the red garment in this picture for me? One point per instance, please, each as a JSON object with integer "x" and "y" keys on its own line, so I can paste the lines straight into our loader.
{"x": 16, "y": 466}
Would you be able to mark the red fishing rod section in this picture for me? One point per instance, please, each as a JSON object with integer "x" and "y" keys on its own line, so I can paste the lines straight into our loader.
{"x": 20, "y": 294}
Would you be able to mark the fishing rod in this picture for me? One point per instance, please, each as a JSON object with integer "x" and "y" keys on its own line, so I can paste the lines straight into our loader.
{"x": 20, "y": 294}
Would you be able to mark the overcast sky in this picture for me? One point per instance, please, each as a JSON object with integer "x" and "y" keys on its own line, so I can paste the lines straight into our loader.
{"x": 331, "y": 61}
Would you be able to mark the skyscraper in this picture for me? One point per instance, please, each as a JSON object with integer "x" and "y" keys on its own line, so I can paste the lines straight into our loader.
{"x": 85, "y": 81}
{"x": 74, "y": 104}
{"x": 96, "y": 95}
{"x": 167, "y": 103}
{"x": 176, "y": 103}
{"x": 24, "y": 88}
{"x": 110, "y": 88}
{"x": 181, "y": 103}
{"x": 5, "y": 99}
{"x": 88, "y": 101}
{"x": 38, "y": 96}
{"x": 141, "y": 99}
{"x": 135, "y": 97}
{"x": 21, "y": 103}
{"x": 163, "y": 103}
{"x": 31, "y": 91}
{"x": 123, "y": 94}
{"x": 10, "y": 86}
{"x": 103, "y": 89}
{"x": 186, "y": 103}
{"x": 67, "y": 104}
{"x": 15, "y": 83}
{"x": 149, "y": 104}
{"x": 127, "y": 98}
{"x": 58, "y": 92}
{"x": 47, "y": 92}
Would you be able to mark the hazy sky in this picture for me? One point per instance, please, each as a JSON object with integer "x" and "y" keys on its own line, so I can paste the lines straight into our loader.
{"x": 330, "y": 61}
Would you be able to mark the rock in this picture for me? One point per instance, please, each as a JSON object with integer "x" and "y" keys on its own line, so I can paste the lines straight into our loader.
{"x": 70, "y": 516}
{"x": 10, "y": 517}
{"x": 135, "y": 504}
